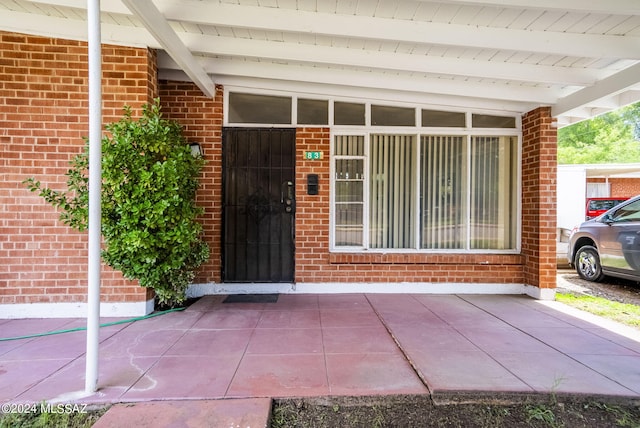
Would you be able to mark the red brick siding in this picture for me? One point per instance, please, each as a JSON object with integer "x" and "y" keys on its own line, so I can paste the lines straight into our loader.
{"x": 201, "y": 119}
{"x": 620, "y": 186}
{"x": 43, "y": 118}
{"x": 625, "y": 186}
{"x": 312, "y": 262}
{"x": 539, "y": 172}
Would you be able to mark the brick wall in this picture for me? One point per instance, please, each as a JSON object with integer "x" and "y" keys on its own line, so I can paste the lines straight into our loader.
{"x": 201, "y": 119}
{"x": 625, "y": 186}
{"x": 312, "y": 211}
{"x": 202, "y": 122}
{"x": 43, "y": 118}
{"x": 539, "y": 172}
{"x": 43, "y": 83}
{"x": 620, "y": 186}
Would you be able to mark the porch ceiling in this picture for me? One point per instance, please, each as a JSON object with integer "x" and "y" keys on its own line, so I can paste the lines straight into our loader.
{"x": 582, "y": 57}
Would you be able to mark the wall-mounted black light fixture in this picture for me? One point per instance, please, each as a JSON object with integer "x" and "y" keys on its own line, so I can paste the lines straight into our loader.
{"x": 196, "y": 150}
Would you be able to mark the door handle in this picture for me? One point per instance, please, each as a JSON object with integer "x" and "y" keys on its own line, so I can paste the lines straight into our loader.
{"x": 287, "y": 196}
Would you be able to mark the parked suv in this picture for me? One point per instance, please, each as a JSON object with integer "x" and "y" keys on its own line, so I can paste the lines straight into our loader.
{"x": 598, "y": 206}
{"x": 608, "y": 244}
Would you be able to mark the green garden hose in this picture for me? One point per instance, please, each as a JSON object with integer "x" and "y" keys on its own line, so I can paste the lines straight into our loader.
{"x": 51, "y": 333}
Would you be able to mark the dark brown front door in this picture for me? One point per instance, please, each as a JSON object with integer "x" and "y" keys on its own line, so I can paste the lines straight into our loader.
{"x": 259, "y": 204}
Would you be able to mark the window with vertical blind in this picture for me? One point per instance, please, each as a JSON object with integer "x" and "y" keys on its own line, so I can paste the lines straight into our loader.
{"x": 425, "y": 192}
{"x": 493, "y": 193}
{"x": 443, "y": 192}
{"x": 392, "y": 191}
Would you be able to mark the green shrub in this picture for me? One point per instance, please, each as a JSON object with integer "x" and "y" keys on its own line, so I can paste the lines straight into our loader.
{"x": 149, "y": 183}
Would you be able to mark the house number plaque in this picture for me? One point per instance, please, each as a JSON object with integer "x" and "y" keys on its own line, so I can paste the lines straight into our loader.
{"x": 313, "y": 155}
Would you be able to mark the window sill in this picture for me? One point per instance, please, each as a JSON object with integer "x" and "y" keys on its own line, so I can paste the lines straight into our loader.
{"x": 422, "y": 258}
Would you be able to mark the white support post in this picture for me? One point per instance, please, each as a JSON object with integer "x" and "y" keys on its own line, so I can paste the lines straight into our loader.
{"x": 95, "y": 183}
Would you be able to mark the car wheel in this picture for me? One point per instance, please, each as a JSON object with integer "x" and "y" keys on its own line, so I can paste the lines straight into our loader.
{"x": 588, "y": 264}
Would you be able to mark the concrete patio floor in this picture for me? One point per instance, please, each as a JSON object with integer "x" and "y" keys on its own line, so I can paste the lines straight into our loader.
{"x": 328, "y": 345}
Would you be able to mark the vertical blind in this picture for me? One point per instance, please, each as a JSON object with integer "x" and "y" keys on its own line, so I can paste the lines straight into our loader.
{"x": 443, "y": 195}
{"x": 447, "y": 192}
{"x": 493, "y": 192}
{"x": 392, "y": 191}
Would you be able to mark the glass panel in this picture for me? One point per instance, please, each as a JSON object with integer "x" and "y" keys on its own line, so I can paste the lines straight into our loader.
{"x": 392, "y": 194}
{"x": 349, "y": 169}
{"x": 349, "y": 190}
{"x": 443, "y": 192}
{"x": 489, "y": 121}
{"x": 392, "y": 116}
{"x": 628, "y": 213}
{"x": 267, "y": 109}
{"x": 348, "y": 113}
{"x": 313, "y": 112}
{"x": 493, "y": 192}
{"x": 450, "y": 119}
{"x": 349, "y": 145}
{"x": 349, "y": 224}
{"x": 349, "y": 180}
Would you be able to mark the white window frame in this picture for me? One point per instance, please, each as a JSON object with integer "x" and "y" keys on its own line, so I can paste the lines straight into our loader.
{"x": 468, "y": 133}
{"x": 365, "y": 190}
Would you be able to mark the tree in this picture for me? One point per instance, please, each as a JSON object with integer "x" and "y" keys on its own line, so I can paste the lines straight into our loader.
{"x": 610, "y": 138}
{"x": 149, "y": 182}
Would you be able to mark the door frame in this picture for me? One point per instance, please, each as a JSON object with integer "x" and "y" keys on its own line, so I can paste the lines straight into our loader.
{"x": 225, "y": 129}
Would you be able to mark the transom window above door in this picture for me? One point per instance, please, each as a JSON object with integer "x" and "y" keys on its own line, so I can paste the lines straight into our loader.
{"x": 266, "y": 109}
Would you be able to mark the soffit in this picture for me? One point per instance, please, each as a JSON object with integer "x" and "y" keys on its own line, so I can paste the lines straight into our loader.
{"x": 581, "y": 57}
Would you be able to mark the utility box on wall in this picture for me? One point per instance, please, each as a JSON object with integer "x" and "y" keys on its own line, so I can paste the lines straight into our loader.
{"x": 312, "y": 184}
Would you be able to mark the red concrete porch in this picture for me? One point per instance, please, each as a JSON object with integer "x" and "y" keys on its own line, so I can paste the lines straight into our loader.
{"x": 328, "y": 345}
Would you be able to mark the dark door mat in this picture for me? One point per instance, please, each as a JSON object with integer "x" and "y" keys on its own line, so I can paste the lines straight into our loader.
{"x": 251, "y": 298}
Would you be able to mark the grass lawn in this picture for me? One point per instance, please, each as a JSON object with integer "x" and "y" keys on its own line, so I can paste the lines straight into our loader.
{"x": 42, "y": 415}
{"x": 624, "y": 313}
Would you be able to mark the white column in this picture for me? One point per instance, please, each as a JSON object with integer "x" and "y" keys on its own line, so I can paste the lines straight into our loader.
{"x": 95, "y": 179}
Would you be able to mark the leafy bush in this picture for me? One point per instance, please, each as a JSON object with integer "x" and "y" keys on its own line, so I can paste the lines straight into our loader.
{"x": 149, "y": 182}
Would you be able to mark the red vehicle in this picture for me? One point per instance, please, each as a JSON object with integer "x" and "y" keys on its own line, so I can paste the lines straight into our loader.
{"x": 598, "y": 206}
